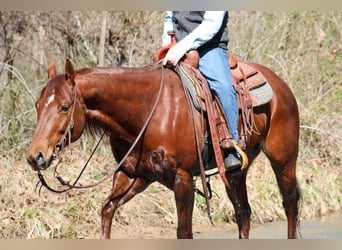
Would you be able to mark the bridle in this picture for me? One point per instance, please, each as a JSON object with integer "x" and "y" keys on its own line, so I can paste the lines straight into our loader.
{"x": 67, "y": 135}
{"x": 67, "y": 138}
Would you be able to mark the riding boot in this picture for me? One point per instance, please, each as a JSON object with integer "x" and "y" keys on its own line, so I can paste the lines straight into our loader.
{"x": 232, "y": 161}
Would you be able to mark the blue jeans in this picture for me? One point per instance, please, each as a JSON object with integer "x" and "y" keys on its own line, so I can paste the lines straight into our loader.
{"x": 214, "y": 65}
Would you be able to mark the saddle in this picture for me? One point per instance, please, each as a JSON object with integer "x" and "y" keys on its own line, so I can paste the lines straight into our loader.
{"x": 250, "y": 84}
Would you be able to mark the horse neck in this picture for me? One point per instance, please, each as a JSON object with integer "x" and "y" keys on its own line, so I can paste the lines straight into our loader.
{"x": 118, "y": 99}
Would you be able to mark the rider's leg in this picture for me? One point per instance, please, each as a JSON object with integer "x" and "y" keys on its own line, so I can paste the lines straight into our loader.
{"x": 214, "y": 65}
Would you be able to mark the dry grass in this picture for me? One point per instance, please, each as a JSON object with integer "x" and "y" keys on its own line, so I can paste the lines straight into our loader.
{"x": 27, "y": 215}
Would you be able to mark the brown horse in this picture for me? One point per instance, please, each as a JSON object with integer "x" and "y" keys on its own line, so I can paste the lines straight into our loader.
{"x": 118, "y": 100}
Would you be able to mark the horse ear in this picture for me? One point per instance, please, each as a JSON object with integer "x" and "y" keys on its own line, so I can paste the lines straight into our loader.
{"x": 52, "y": 69}
{"x": 70, "y": 71}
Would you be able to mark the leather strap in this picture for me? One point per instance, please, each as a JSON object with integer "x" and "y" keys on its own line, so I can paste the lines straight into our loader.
{"x": 212, "y": 124}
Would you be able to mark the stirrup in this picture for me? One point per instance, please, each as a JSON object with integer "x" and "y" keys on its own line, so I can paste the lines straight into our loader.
{"x": 243, "y": 155}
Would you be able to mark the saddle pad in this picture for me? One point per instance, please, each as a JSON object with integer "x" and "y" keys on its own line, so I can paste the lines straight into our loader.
{"x": 254, "y": 81}
{"x": 191, "y": 84}
{"x": 260, "y": 90}
{"x": 261, "y": 94}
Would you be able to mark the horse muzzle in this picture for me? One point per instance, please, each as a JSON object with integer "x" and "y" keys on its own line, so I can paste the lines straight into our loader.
{"x": 37, "y": 161}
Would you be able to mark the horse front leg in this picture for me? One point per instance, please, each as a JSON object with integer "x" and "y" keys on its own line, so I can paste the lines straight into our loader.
{"x": 124, "y": 189}
{"x": 184, "y": 196}
{"x": 238, "y": 196}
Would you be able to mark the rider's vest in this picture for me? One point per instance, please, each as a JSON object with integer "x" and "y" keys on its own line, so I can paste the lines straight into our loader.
{"x": 187, "y": 21}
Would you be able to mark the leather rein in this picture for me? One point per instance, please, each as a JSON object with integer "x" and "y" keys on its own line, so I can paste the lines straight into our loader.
{"x": 67, "y": 138}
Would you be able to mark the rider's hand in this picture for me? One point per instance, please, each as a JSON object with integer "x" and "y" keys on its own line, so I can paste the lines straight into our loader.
{"x": 174, "y": 54}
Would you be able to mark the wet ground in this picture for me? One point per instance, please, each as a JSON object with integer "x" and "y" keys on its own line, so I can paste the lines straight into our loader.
{"x": 327, "y": 227}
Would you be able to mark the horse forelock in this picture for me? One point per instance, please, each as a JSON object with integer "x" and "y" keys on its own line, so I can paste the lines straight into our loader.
{"x": 57, "y": 87}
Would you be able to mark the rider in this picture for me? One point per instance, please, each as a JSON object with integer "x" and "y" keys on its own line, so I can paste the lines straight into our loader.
{"x": 207, "y": 32}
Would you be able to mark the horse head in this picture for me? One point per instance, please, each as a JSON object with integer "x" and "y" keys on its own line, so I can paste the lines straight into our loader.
{"x": 60, "y": 117}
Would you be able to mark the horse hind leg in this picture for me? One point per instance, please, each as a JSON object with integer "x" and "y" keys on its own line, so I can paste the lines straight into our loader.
{"x": 283, "y": 160}
{"x": 237, "y": 193}
{"x": 124, "y": 189}
{"x": 290, "y": 192}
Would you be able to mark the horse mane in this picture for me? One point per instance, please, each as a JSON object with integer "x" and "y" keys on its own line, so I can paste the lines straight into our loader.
{"x": 94, "y": 129}
{"x": 117, "y": 69}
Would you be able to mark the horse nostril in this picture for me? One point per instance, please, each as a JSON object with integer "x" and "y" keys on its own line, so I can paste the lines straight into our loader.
{"x": 40, "y": 159}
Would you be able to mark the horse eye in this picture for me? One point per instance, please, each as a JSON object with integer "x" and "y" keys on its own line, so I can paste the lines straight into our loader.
{"x": 64, "y": 109}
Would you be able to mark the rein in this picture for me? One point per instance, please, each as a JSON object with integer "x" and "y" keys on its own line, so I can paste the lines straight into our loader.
{"x": 63, "y": 140}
